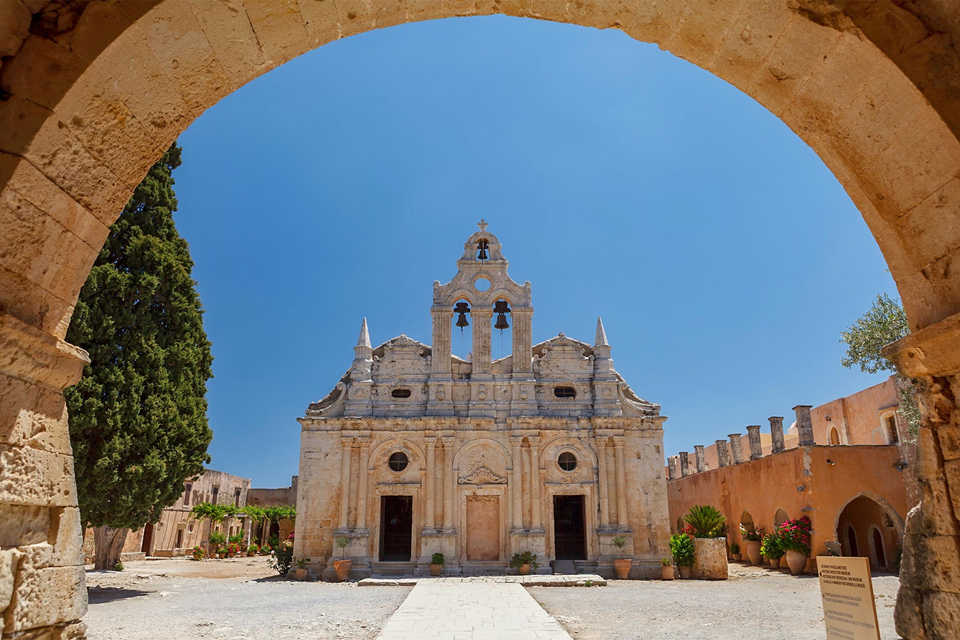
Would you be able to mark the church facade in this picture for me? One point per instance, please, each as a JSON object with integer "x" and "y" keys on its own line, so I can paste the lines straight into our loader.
{"x": 417, "y": 451}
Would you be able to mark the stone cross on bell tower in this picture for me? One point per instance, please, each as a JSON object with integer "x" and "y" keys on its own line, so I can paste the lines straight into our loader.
{"x": 480, "y": 286}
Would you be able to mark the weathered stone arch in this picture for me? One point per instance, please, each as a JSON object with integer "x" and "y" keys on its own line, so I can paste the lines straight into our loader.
{"x": 490, "y": 444}
{"x": 380, "y": 453}
{"x": 583, "y": 449}
{"x": 90, "y": 104}
{"x": 898, "y": 521}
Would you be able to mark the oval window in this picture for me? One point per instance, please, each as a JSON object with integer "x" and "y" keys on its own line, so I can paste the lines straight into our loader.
{"x": 565, "y": 392}
{"x": 481, "y": 284}
{"x": 567, "y": 461}
{"x": 400, "y": 393}
{"x": 398, "y": 461}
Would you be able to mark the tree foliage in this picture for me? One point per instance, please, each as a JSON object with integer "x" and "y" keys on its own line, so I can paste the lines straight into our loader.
{"x": 883, "y": 323}
{"x": 138, "y": 420}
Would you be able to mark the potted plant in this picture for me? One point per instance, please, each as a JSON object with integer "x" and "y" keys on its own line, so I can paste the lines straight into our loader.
{"x": 771, "y": 550}
{"x": 708, "y": 527}
{"x": 197, "y": 553}
{"x": 342, "y": 566}
{"x": 666, "y": 569}
{"x": 221, "y": 552}
{"x": 265, "y": 550}
{"x": 621, "y": 565}
{"x": 681, "y": 548}
{"x": 735, "y": 552}
{"x": 436, "y": 564}
{"x": 252, "y": 550}
{"x": 794, "y": 538}
{"x": 751, "y": 543}
{"x": 217, "y": 540}
{"x": 522, "y": 562}
{"x": 300, "y": 573}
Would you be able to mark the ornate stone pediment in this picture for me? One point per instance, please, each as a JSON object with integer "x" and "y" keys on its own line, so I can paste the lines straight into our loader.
{"x": 482, "y": 475}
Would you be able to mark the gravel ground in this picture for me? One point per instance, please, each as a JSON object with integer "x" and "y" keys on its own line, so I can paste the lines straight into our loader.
{"x": 230, "y": 600}
{"x": 753, "y": 603}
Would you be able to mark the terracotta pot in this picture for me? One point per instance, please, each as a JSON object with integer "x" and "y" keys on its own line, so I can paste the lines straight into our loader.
{"x": 752, "y": 547}
{"x": 735, "y": 557}
{"x": 299, "y": 574}
{"x": 342, "y": 567}
{"x": 524, "y": 569}
{"x": 796, "y": 561}
{"x": 773, "y": 563}
{"x": 622, "y": 567}
{"x": 666, "y": 572}
{"x": 436, "y": 569}
{"x": 686, "y": 572}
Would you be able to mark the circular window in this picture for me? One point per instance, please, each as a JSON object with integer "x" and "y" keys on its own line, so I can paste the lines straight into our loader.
{"x": 567, "y": 461}
{"x": 398, "y": 461}
{"x": 481, "y": 284}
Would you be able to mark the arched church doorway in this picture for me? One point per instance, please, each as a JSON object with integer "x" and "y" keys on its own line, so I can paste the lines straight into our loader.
{"x": 797, "y": 63}
{"x": 869, "y": 529}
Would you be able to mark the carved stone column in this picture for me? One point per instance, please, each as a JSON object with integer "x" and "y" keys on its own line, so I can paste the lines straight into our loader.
{"x": 723, "y": 453}
{"x": 804, "y": 425}
{"x": 430, "y": 481}
{"x": 698, "y": 456}
{"x": 928, "y": 603}
{"x": 481, "y": 339}
{"x": 440, "y": 350}
{"x": 522, "y": 340}
{"x": 449, "y": 485}
{"x": 516, "y": 483}
{"x": 604, "y": 484}
{"x": 684, "y": 464}
{"x": 535, "y": 482}
{"x": 622, "y": 520}
{"x": 735, "y": 450}
{"x": 776, "y": 433}
{"x": 346, "y": 452}
{"x": 41, "y": 561}
{"x": 756, "y": 445}
{"x": 362, "y": 487}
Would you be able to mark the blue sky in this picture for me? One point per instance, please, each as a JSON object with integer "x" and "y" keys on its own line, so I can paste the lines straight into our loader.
{"x": 723, "y": 256}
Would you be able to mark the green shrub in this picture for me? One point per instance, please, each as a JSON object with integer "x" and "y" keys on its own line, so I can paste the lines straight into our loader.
{"x": 771, "y": 547}
{"x": 118, "y": 566}
{"x": 681, "y": 547}
{"x": 735, "y": 548}
{"x": 282, "y": 558}
{"x": 706, "y": 521}
{"x": 520, "y": 559}
{"x": 436, "y": 558}
{"x": 237, "y": 539}
{"x": 217, "y": 538}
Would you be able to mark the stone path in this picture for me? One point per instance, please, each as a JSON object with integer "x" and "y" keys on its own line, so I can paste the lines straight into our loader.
{"x": 451, "y": 609}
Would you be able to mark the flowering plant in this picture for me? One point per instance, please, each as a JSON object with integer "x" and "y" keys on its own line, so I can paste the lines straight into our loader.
{"x": 266, "y": 549}
{"x": 770, "y": 546}
{"x": 795, "y": 535}
{"x": 197, "y": 553}
{"x": 751, "y": 533}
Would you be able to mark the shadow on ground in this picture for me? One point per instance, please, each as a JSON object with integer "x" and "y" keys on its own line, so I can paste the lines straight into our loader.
{"x": 98, "y": 595}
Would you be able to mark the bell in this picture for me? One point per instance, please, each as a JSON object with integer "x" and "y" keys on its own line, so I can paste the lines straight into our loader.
{"x": 501, "y": 309}
{"x": 463, "y": 310}
{"x": 482, "y": 250}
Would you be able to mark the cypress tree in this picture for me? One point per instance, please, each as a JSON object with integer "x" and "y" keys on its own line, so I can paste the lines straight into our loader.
{"x": 138, "y": 422}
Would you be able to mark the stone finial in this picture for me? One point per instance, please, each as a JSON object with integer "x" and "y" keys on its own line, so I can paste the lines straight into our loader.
{"x": 723, "y": 453}
{"x": 698, "y": 457}
{"x": 756, "y": 445}
{"x": 364, "y": 339}
{"x": 684, "y": 464}
{"x": 776, "y": 433}
{"x": 601, "y": 336}
{"x": 735, "y": 448}
{"x": 670, "y": 469}
{"x": 804, "y": 425}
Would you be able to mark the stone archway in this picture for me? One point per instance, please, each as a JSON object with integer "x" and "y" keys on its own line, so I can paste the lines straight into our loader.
{"x": 94, "y": 91}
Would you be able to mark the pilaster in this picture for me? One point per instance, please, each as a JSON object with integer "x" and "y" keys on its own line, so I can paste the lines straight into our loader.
{"x": 776, "y": 433}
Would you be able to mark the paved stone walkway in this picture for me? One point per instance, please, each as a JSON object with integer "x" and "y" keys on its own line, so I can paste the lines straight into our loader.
{"x": 464, "y": 610}
{"x": 573, "y": 580}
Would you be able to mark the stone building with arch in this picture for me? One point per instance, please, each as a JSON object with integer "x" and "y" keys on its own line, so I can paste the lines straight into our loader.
{"x": 417, "y": 451}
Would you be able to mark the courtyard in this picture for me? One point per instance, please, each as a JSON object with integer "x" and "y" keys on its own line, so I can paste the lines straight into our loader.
{"x": 244, "y": 598}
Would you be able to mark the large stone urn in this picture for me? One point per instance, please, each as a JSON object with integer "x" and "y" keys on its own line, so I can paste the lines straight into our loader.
{"x": 796, "y": 561}
{"x": 752, "y": 548}
{"x": 710, "y": 558}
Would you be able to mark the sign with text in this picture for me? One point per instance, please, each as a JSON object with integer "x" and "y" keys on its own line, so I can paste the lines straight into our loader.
{"x": 849, "y": 610}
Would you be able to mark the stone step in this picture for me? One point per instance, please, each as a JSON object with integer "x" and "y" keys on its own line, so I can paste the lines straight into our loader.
{"x": 561, "y": 567}
{"x": 576, "y": 580}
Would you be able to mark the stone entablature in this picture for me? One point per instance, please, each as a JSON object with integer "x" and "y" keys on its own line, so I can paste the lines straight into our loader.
{"x": 490, "y": 455}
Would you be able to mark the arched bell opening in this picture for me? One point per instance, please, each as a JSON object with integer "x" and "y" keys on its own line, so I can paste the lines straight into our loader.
{"x": 501, "y": 330}
{"x": 461, "y": 330}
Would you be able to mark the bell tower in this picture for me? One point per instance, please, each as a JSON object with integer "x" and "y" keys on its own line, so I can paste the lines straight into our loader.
{"x": 481, "y": 288}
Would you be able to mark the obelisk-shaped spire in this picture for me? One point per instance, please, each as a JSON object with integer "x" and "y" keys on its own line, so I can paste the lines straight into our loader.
{"x": 601, "y": 338}
{"x": 364, "y": 339}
